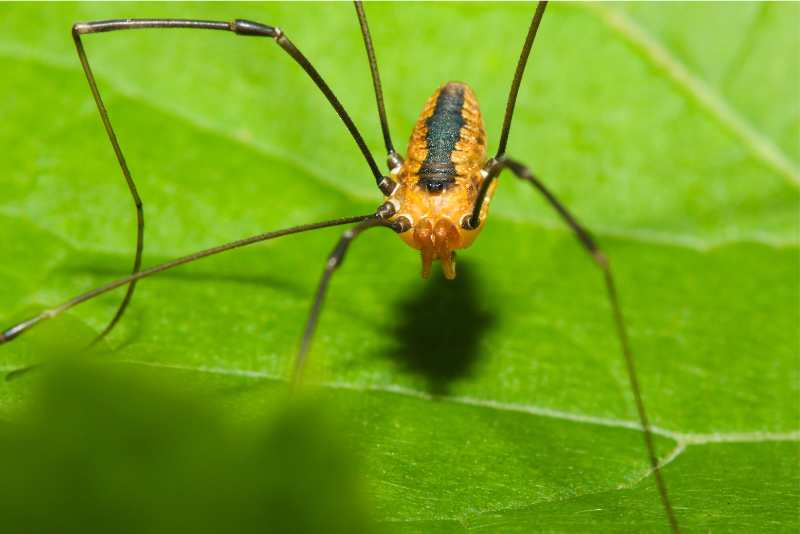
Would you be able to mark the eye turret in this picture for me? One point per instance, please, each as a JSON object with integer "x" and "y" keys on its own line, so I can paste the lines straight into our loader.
{"x": 435, "y": 187}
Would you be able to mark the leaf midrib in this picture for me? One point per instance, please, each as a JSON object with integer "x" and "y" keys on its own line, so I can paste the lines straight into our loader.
{"x": 700, "y": 92}
{"x": 685, "y": 438}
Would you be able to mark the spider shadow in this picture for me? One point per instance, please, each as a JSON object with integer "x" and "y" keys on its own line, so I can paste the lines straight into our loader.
{"x": 438, "y": 330}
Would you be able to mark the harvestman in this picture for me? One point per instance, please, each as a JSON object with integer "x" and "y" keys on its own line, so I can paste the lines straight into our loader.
{"x": 436, "y": 200}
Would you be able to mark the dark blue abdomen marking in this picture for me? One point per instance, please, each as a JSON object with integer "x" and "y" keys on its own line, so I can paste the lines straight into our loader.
{"x": 444, "y": 129}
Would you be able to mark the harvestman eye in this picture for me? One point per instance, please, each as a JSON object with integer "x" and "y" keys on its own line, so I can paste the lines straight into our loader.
{"x": 436, "y": 199}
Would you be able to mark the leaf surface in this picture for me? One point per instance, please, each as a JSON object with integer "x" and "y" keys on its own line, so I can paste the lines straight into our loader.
{"x": 499, "y": 400}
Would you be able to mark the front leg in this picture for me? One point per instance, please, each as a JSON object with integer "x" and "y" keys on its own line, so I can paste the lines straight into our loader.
{"x": 240, "y": 27}
{"x": 335, "y": 260}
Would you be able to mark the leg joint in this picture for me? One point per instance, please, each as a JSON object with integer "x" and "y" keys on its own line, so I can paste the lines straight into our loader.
{"x": 79, "y": 28}
{"x": 467, "y": 223}
{"x": 387, "y": 186}
{"x": 388, "y": 209}
{"x": 248, "y": 27}
{"x": 401, "y": 224}
{"x": 333, "y": 262}
{"x": 394, "y": 160}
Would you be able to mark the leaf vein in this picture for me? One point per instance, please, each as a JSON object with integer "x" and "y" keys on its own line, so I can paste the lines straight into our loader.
{"x": 542, "y": 411}
{"x": 708, "y": 100}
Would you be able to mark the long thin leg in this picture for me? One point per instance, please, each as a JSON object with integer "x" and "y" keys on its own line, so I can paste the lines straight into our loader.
{"x": 22, "y": 327}
{"x": 523, "y": 61}
{"x": 601, "y": 260}
{"x": 123, "y": 165}
{"x": 240, "y": 27}
{"x": 393, "y": 158}
{"x": 492, "y": 171}
{"x": 246, "y": 27}
{"x": 334, "y": 262}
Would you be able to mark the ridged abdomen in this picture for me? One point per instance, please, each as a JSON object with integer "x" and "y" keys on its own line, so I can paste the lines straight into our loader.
{"x": 448, "y": 141}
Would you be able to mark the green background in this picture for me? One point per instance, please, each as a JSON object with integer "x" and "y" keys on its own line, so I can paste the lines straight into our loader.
{"x": 497, "y": 402}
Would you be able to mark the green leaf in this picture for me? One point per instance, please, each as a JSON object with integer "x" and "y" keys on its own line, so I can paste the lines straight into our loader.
{"x": 499, "y": 400}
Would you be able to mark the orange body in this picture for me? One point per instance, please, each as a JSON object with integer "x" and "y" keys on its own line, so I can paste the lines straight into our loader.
{"x": 439, "y": 180}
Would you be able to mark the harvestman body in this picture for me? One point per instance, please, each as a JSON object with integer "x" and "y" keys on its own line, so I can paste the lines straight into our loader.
{"x": 436, "y": 200}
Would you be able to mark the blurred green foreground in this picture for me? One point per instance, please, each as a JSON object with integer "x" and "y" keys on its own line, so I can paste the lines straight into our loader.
{"x": 107, "y": 451}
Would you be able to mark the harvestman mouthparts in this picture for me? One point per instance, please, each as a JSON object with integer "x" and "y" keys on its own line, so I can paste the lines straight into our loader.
{"x": 436, "y": 200}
